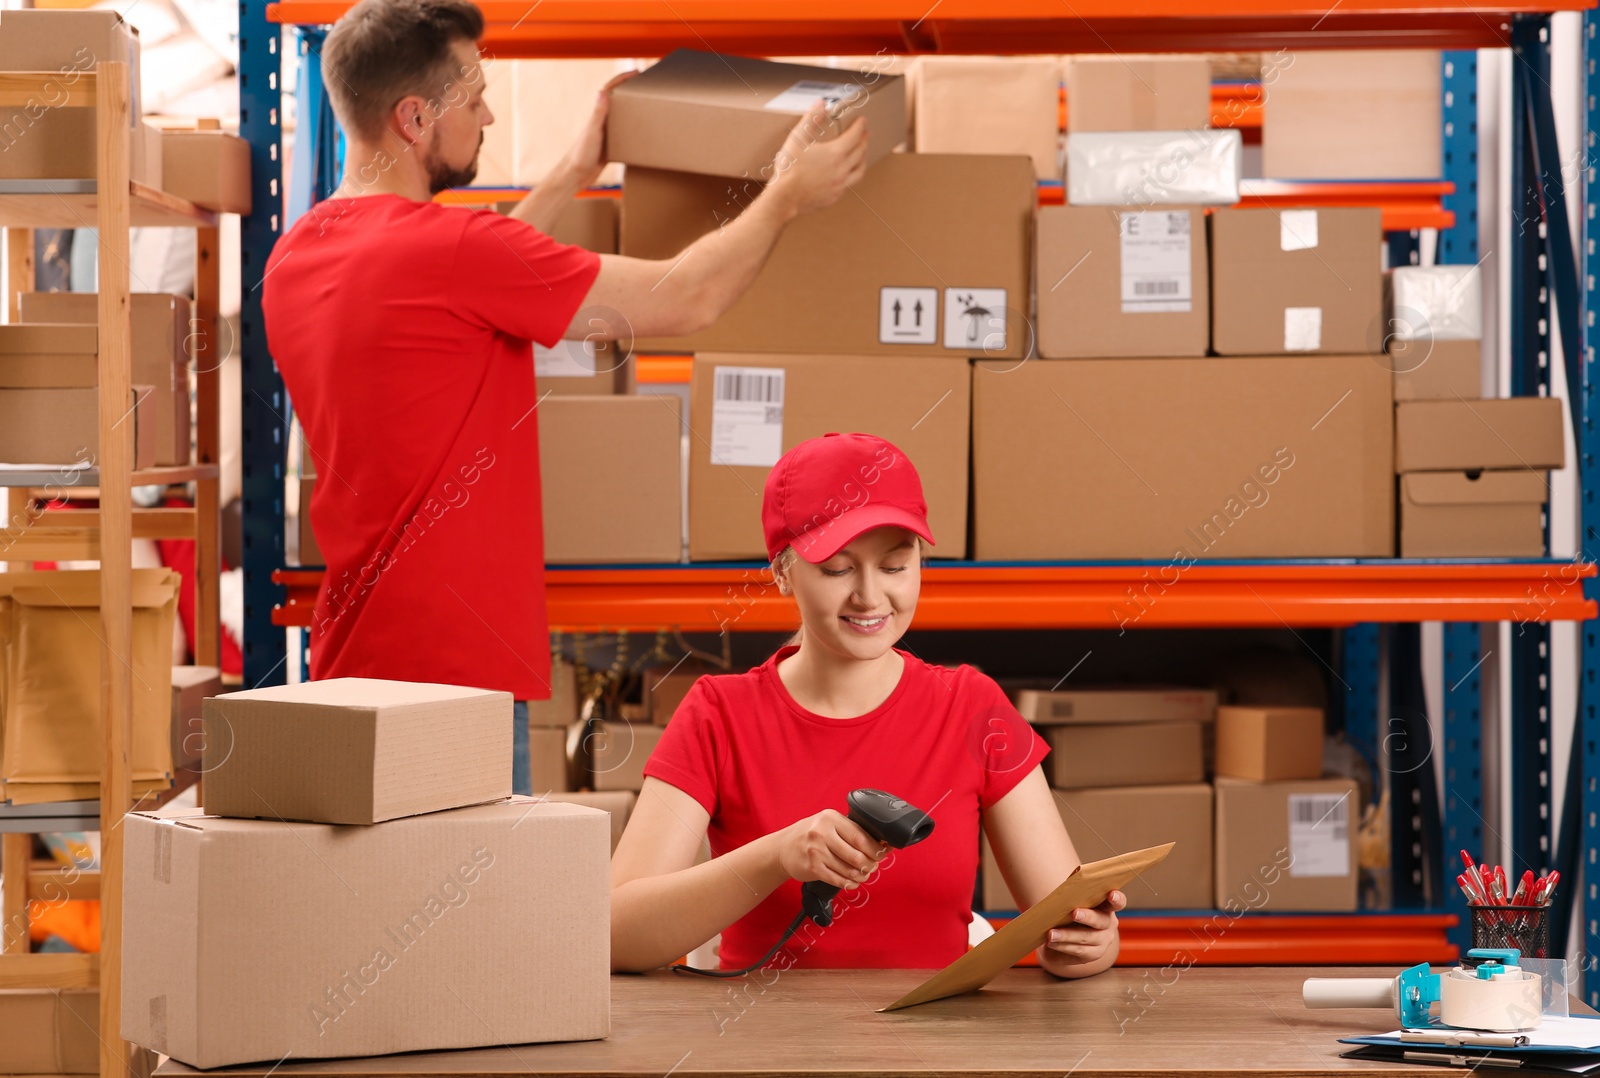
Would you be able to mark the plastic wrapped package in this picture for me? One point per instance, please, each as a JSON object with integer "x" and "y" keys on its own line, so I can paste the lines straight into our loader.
{"x": 1440, "y": 303}
{"x": 1153, "y": 168}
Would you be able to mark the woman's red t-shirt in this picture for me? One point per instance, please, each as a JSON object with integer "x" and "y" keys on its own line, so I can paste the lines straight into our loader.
{"x": 946, "y": 740}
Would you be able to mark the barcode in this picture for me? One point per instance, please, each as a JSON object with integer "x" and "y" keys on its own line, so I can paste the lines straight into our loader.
{"x": 1155, "y": 288}
{"x": 1331, "y": 811}
{"x": 745, "y": 386}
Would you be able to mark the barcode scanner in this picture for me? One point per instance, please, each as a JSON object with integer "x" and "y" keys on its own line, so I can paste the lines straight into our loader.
{"x": 887, "y": 819}
{"x": 880, "y": 814}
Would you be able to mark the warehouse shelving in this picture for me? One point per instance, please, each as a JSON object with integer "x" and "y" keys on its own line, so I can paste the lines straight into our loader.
{"x": 111, "y": 204}
{"x": 1378, "y": 604}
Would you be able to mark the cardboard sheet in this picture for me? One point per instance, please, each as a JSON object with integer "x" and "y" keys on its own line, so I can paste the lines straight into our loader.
{"x": 1087, "y": 886}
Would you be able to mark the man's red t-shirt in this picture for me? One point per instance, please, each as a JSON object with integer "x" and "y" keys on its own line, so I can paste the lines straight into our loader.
{"x": 946, "y": 740}
{"x": 402, "y": 330}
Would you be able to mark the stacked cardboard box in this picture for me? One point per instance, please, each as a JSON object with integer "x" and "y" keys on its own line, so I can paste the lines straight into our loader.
{"x": 990, "y": 105}
{"x": 1353, "y": 114}
{"x": 50, "y": 403}
{"x": 1128, "y": 771}
{"x": 1434, "y": 332}
{"x": 358, "y": 834}
{"x": 618, "y": 751}
{"x": 665, "y": 688}
{"x": 1139, "y": 135}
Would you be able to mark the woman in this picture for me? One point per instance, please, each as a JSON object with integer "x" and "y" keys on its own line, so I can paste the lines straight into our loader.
{"x": 760, "y": 763}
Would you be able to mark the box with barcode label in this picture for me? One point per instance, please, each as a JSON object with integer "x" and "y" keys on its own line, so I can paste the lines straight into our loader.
{"x": 1122, "y": 281}
{"x": 1287, "y": 845}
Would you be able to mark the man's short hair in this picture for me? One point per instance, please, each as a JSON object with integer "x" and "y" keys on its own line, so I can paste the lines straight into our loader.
{"x": 384, "y": 50}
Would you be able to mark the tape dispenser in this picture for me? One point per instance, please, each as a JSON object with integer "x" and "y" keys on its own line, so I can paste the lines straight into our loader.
{"x": 1488, "y": 991}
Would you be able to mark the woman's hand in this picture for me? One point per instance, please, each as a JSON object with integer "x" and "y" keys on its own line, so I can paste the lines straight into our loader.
{"x": 1086, "y": 945}
{"x": 829, "y": 847}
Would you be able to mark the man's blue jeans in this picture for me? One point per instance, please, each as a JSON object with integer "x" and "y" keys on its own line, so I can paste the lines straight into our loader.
{"x": 521, "y": 765}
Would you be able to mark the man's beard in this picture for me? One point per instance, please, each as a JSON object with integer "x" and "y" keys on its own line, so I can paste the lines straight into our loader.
{"x": 441, "y": 175}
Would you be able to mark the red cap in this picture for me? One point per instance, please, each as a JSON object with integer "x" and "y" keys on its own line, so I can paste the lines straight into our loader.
{"x": 826, "y": 491}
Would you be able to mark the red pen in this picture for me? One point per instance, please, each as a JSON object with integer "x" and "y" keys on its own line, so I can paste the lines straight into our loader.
{"x": 1474, "y": 880}
{"x": 1501, "y": 890}
{"x": 1524, "y": 895}
{"x": 1550, "y": 887}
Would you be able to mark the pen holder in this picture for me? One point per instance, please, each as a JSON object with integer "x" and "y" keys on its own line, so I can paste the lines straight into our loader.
{"x": 1526, "y": 928}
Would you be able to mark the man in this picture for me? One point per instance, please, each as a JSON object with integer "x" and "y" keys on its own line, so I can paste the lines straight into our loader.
{"x": 402, "y": 329}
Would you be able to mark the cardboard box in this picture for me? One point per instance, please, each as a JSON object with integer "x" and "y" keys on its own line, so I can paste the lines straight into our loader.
{"x": 355, "y": 750}
{"x": 497, "y": 153}
{"x": 561, "y": 709}
{"x": 209, "y": 168}
{"x": 969, "y": 104}
{"x": 51, "y": 722}
{"x": 586, "y": 367}
{"x": 919, "y": 405}
{"x": 729, "y": 115}
{"x": 49, "y": 1031}
{"x": 547, "y": 754}
{"x": 1113, "y": 93}
{"x": 61, "y": 425}
{"x": 39, "y": 141}
{"x": 617, "y": 803}
{"x": 1353, "y": 114}
{"x": 1154, "y": 168}
{"x": 191, "y": 687}
{"x": 629, "y": 448}
{"x": 551, "y": 103}
{"x": 365, "y": 941}
{"x": 1295, "y": 281}
{"x": 1269, "y": 744}
{"x": 1102, "y": 823}
{"x": 1180, "y": 460}
{"x": 161, "y": 325}
{"x": 590, "y": 223}
{"x": 1473, "y": 514}
{"x": 1122, "y": 282}
{"x": 929, "y": 256}
{"x": 619, "y": 751}
{"x": 1124, "y": 754}
{"x": 1436, "y": 370}
{"x": 1286, "y": 845}
{"x": 665, "y": 688}
{"x": 1466, "y": 435}
{"x": 1101, "y": 706}
{"x": 310, "y": 552}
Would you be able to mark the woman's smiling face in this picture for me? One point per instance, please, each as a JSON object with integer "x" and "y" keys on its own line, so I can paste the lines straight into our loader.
{"x": 859, "y": 603}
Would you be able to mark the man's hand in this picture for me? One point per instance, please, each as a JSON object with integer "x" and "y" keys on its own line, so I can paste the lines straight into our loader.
{"x": 586, "y": 158}
{"x": 810, "y": 175}
{"x": 1087, "y": 945}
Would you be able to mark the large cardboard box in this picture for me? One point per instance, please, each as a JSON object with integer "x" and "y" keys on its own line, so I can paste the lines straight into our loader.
{"x": 50, "y": 403}
{"x": 459, "y": 929}
{"x": 928, "y": 255}
{"x": 747, "y": 410}
{"x": 1298, "y": 280}
{"x": 161, "y": 325}
{"x": 41, "y": 141}
{"x": 612, "y": 475}
{"x": 49, "y": 1031}
{"x": 1101, "y": 706}
{"x": 550, "y": 103}
{"x": 970, "y": 104}
{"x": 1353, "y": 114}
{"x": 1113, "y": 93}
{"x": 1465, "y": 435}
{"x": 355, "y": 750}
{"x": 1436, "y": 370}
{"x": 1182, "y": 459}
{"x": 1117, "y": 281}
{"x": 209, "y": 168}
{"x": 1124, "y": 754}
{"x": 191, "y": 687}
{"x": 729, "y": 115}
{"x": 617, "y": 803}
{"x": 1490, "y": 514}
{"x": 1269, "y": 744}
{"x": 619, "y": 751}
{"x": 589, "y": 222}
{"x": 1286, "y": 845}
{"x": 561, "y": 709}
{"x": 547, "y": 756}
{"x": 1102, "y": 823}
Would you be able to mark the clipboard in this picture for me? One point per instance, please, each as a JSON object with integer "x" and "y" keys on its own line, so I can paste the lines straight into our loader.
{"x": 1087, "y": 886}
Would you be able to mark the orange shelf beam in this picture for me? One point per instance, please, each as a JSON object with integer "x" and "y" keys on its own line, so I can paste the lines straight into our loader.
{"x": 1377, "y": 939}
{"x": 1113, "y": 596}
{"x": 574, "y": 28}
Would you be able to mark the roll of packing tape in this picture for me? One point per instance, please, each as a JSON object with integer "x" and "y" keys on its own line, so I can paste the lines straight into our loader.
{"x": 1508, "y": 1002}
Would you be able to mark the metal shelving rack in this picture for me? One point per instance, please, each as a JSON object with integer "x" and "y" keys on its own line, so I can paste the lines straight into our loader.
{"x": 1376, "y": 604}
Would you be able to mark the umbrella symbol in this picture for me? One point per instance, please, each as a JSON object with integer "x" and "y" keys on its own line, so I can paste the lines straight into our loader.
{"x": 973, "y": 311}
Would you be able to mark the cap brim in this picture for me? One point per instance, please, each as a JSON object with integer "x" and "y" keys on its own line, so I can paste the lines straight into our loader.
{"x": 824, "y": 541}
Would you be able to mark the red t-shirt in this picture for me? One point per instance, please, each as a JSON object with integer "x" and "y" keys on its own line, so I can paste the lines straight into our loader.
{"x": 946, "y": 740}
{"x": 402, "y": 330}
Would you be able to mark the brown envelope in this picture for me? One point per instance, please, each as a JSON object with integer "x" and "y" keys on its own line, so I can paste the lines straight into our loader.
{"x": 1087, "y": 886}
